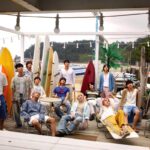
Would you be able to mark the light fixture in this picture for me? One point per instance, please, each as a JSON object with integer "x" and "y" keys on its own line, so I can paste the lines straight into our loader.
{"x": 77, "y": 45}
{"x": 17, "y": 26}
{"x": 64, "y": 45}
{"x": 11, "y": 39}
{"x": 57, "y": 30}
{"x": 148, "y": 25}
{"x": 101, "y": 27}
{"x": 132, "y": 45}
{"x": 3, "y": 41}
{"x": 118, "y": 45}
{"x": 90, "y": 44}
{"x": 148, "y": 44}
{"x": 51, "y": 44}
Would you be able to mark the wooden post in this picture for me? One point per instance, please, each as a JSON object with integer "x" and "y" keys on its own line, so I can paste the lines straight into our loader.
{"x": 143, "y": 75}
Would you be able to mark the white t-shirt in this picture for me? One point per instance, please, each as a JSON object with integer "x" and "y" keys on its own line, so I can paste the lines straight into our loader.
{"x": 22, "y": 83}
{"x": 131, "y": 98}
{"x": 69, "y": 75}
{"x": 106, "y": 80}
{"x": 3, "y": 82}
{"x": 39, "y": 88}
{"x": 107, "y": 111}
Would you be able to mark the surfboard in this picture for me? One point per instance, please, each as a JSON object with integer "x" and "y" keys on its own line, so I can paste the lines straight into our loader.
{"x": 36, "y": 58}
{"x": 2, "y": 69}
{"x": 133, "y": 134}
{"x": 49, "y": 72}
{"x": 44, "y": 60}
{"x": 89, "y": 76}
{"x": 8, "y": 67}
{"x": 55, "y": 72}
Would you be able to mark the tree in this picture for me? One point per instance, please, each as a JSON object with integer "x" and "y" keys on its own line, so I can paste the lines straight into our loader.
{"x": 111, "y": 55}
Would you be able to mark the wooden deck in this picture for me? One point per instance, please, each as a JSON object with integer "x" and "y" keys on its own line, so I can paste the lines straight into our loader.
{"x": 91, "y": 134}
{"x": 21, "y": 141}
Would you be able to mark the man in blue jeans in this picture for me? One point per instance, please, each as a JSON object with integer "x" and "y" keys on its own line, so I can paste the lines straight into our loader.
{"x": 62, "y": 92}
{"x": 78, "y": 117}
{"x": 3, "y": 111}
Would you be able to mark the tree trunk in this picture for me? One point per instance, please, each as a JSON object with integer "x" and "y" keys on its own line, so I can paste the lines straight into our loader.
{"x": 143, "y": 76}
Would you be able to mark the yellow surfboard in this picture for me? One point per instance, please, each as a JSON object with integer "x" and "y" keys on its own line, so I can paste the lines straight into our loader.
{"x": 49, "y": 72}
{"x": 7, "y": 62}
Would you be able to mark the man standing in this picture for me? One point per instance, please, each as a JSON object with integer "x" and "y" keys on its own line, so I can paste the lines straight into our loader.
{"x": 21, "y": 90}
{"x": 33, "y": 112}
{"x": 3, "y": 112}
{"x": 69, "y": 75}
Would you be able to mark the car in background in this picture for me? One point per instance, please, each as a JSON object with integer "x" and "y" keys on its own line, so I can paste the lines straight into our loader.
{"x": 121, "y": 78}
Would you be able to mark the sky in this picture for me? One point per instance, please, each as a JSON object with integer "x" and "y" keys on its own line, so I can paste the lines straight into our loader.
{"x": 111, "y": 24}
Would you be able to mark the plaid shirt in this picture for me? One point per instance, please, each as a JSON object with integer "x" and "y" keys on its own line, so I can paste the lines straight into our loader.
{"x": 16, "y": 88}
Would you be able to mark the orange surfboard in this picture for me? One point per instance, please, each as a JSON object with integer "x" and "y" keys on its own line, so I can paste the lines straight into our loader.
{"x": 2, "y": 69}
{"x": 8, "y": 66}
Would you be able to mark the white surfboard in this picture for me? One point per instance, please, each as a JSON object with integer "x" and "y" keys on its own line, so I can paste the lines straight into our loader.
{"x": 55, "y": 71}
{"x": 44, "y": 60}
{"x": 36, "y": 58}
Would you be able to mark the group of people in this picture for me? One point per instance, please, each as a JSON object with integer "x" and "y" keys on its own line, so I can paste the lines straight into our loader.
{"x": 26, "y": 94}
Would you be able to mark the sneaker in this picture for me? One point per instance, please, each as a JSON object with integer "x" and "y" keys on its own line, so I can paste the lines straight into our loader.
{"x": 60, "y": 134}
{"x": 92, "y": 117}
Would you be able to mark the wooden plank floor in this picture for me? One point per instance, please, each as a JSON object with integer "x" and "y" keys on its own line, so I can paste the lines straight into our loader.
{"x": 92, "y": 134}
{"x": 21, "y": 141}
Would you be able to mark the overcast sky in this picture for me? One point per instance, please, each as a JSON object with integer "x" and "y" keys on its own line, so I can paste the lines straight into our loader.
{"x": 115, "y": 24}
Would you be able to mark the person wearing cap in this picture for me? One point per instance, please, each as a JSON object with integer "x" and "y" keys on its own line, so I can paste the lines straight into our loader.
{"x": 34, "y": 113}
{"x": 62, "y": 92}
{"x": 106, "y": 82}
{"x": 21, "y": 90}
{"x": 68, "y": 73}
{"x": 113, "y": 119}
{"x": 3, "y": 111}
{"x": 129, "y": 103}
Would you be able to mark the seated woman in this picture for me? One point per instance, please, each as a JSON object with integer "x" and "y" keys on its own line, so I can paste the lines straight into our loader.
{"x": 116, "y": 121}
{"x": 62, "y": 92}
{"x": 91, "y": 95}
{"x": 78, "y": 117}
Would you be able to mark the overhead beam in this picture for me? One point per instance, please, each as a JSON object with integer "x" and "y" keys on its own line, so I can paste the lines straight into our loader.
{"x": 26, "y": 5}
{"x": 10, "y": 30}
{"x": 88, "y": 33}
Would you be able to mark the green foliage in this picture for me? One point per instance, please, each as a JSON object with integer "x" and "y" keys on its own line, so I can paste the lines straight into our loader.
{"x": 111, "y": 56}
{"x": 82, "y": 54}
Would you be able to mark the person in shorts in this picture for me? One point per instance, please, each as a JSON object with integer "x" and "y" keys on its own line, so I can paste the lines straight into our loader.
{"x": 3, "y": 111}
{"x": 34, "y": 113}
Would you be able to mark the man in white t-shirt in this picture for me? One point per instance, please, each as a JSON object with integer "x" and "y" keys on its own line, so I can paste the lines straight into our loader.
{"x": 69, "y": 75}
{"x": 3, "y": 112}
{"x": 129, "y": 103}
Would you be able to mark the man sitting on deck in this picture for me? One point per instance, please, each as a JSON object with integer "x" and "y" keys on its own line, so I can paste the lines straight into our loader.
{"x": 62, "y": 92}
{"x": 78, "y": 117}
{"x": 34, "y": 113}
